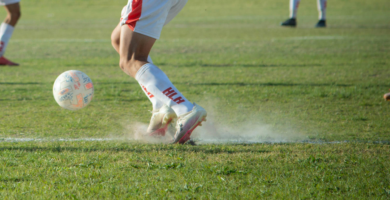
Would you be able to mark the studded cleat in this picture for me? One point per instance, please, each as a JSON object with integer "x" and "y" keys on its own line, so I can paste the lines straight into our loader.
{"x": 187, "y": 122}
{"x": 5, "y": 62}
{"x": 160, "y": 120}
{"x": 292, "y": 22}
{"x": 321, "y": 24}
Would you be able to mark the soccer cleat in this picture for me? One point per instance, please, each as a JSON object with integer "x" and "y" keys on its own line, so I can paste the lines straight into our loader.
{"x": 160, "y": 120}
{"x": 4, "y": 61}
{"x": 321, "y": 23}
{"x": 187, "y": 122}
{"x": 290, "y": 22}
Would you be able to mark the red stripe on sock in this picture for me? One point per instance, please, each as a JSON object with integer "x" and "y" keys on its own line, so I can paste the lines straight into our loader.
{"x": 135, "y": 14}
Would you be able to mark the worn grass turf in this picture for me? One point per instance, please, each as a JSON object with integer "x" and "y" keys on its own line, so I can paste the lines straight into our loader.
{"x": 234, "y": 59}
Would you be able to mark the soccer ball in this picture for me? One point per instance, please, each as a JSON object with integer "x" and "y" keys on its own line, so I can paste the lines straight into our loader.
{"x": 73, "y": 90}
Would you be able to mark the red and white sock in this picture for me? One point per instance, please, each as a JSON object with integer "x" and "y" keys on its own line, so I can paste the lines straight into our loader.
{"x": 294, "y": 8}
{"x": 158, "y": 84}
{"x": 321, "y": 4}
{"x": 6, "y": 31}
{"x": 157, "y": 104}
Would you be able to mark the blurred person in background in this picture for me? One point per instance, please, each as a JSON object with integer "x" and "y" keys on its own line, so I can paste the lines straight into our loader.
{"x": 7, "y": 28}
{"x": 292, "y": 21}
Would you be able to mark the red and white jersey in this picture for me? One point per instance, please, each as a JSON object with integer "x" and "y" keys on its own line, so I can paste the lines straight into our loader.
{"x": 6, "y": 2}
{"x": 149, "y": 16}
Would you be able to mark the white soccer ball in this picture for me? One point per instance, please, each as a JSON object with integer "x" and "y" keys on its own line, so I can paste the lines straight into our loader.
{"x": 73, "y": 90}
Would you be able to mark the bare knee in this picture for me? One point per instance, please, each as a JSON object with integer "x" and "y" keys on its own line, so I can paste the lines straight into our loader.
{"x": 13, "y": 17}
{"x": 115, "y": 42}
{"x": 115, "y": 37}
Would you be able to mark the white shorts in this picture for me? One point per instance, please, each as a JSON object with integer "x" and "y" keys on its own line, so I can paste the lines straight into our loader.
{"x": 149, "y": 16}
{"x": 6, "y": 2}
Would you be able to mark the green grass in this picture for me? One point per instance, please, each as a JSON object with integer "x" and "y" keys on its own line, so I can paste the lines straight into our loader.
{"x": 100, "y": 170}
{"x": 236, "y": 61}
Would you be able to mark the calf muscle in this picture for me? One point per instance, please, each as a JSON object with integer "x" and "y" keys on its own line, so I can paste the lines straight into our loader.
{"x": 134, "y": 49}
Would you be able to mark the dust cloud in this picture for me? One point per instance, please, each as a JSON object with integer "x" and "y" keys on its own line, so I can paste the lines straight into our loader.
{"x": 213, "y": 132}
{"x": 249, "y": 132}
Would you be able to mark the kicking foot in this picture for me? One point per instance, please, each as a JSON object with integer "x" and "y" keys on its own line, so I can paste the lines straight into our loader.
{"x": 292, "y": 22}
{"x": 5, "y": 62}
{"x": 187, "y": 122}
{"x": 321, "y": 24}
{"x": 160, "y": 120}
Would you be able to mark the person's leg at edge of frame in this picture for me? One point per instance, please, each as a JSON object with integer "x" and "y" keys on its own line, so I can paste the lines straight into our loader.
{"x": 6, "y": 30}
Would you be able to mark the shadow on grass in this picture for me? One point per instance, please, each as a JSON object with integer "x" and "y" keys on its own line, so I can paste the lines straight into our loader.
{"x": 114, "y": 83}
{"x": 239, "y": 65}
{"x": 270, "y": 84}
{"x": 13, "y": 180}
{"x": 26, "y": 99}
{"x": 19, "y": 83}
{"x": 131, "y": 149}
{"x": 359, "y": 27}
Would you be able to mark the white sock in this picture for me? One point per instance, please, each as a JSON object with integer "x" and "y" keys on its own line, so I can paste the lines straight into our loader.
{"x": 6, "y": 31}
{"x": 157, "y": 104}
{"x": 158, "y": 84}
{"x": 321, "y": 4}
{"x": 294, "y": 8}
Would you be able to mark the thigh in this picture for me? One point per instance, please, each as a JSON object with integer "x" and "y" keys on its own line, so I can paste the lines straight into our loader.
{"x": 147, "y": 17}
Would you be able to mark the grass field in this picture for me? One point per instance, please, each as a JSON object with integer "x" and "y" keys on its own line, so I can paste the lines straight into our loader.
{"x": 318, "y": 91}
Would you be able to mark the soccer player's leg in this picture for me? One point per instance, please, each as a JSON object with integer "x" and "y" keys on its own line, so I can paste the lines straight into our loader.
{"x": 115, "y": 40}
{"x": 321, "y": 4}
{"x": 143, "y": 27}
{"x": 162, "y": 115}
{"x": 7, "y": 28}
{"x": 292, "y": 21}
{"x": 134, "y": 50}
